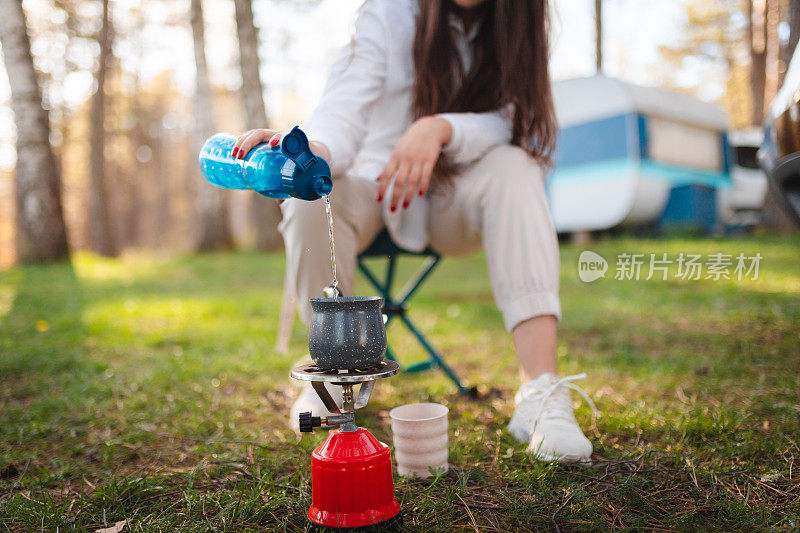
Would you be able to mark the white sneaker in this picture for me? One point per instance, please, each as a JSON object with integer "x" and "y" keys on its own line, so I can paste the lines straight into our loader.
{"x": 544, "y": 418}
{"x": 309, "y": 401}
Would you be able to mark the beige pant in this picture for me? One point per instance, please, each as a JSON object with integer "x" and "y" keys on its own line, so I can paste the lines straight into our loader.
{"x": 498, "y": 201}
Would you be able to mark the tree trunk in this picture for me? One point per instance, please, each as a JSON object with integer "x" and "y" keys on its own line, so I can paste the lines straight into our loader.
{"x": 133, "y": 200}
{"x": 101, "y": 237}
{"x": 41, "y": 234}
{"x": 265, "y": 212}
{"x": 598, "y": 35}
{"x": 211, "y": 203}
{"x": 757, "y": 29}
{"x": 794, "y": 32}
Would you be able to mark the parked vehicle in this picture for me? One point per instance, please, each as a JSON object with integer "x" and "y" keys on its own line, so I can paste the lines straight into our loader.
{"x": 631, "y": 155}
{"x": 780, "y": 154}
{"x": 740, "y": 205}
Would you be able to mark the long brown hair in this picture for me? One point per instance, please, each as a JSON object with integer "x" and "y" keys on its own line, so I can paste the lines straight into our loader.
{"x": 509, "y": 66}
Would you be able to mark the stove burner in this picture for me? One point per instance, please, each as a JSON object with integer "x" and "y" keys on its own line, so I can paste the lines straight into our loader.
{"x": 312, "y": 372}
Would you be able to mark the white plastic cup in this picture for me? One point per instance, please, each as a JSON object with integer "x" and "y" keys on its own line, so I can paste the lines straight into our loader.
{"x": 420, "y": 438}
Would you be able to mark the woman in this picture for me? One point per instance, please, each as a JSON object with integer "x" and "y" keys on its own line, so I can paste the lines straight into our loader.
{"x": 437, "y": 121}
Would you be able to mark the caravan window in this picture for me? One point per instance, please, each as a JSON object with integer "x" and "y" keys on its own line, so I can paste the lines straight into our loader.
{"x": 684, "y": 145}
{"x": 746, "y": 157}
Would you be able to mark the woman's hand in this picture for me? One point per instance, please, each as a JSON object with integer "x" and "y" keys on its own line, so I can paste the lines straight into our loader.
{"x": 249, "y": 139}
{"x": 413, "y": 159}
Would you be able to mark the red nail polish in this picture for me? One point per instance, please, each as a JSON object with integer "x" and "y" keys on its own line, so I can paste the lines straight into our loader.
{"x": 379, "y": 198}
{"x": 405, "y": 205}
{"x": 274, "y": 142}
{"x": 422, "y": 193}
{"x": 233, "y": 152}
{"x": 393, "y": 208}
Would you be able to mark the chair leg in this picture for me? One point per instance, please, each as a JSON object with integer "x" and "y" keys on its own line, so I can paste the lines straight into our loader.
{"x": 390, "y": 354}
{"x": 435, "y": 357}
{"x": 286, "y": 320}
{"x": 372, "y": 279}
{"x": 417, "y": 281}
{"x": 385, "y": 289}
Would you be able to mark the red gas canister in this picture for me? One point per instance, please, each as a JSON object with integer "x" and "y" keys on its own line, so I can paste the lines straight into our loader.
{"x": 351, "y": 484}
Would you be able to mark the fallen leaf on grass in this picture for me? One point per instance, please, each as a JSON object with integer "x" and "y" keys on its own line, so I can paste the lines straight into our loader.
{"x": 116, "y": 528}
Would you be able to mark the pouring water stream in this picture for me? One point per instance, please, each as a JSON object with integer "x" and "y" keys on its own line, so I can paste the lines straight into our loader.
{"x": 332, "y": 290}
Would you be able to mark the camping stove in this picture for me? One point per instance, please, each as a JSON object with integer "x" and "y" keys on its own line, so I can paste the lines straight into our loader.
{"x": 351, "y": 473}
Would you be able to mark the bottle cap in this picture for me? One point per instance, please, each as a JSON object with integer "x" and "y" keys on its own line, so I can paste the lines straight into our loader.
{"x": 294, "y": 145}
{"x": 304, "y": 175}
{"x": 323, "y": 185}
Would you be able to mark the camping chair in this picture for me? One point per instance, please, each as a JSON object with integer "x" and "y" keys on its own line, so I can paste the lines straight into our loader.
{"x": 396, "y": 305}
{"x": 393, "y": 305}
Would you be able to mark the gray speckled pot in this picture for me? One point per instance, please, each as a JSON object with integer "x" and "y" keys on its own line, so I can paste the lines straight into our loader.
{"x": 347, "y": 332}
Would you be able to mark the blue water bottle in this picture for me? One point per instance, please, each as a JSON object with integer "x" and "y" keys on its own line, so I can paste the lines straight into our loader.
{"x": 290, "y": 169}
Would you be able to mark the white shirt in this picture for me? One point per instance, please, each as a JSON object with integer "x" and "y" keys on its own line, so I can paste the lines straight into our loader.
{"x": 366, "y": 108}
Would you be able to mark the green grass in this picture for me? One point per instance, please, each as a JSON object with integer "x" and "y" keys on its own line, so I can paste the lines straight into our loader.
{"x": 149, "y": 390}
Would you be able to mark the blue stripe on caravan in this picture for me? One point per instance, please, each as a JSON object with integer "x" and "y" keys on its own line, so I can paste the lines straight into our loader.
{"x": 600, "y": 170}
{"x": 593, "y": 141}
{"x": 727, "y": 152}
{"x": 684, "y": 175}
{"x": 641, "y": 124}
